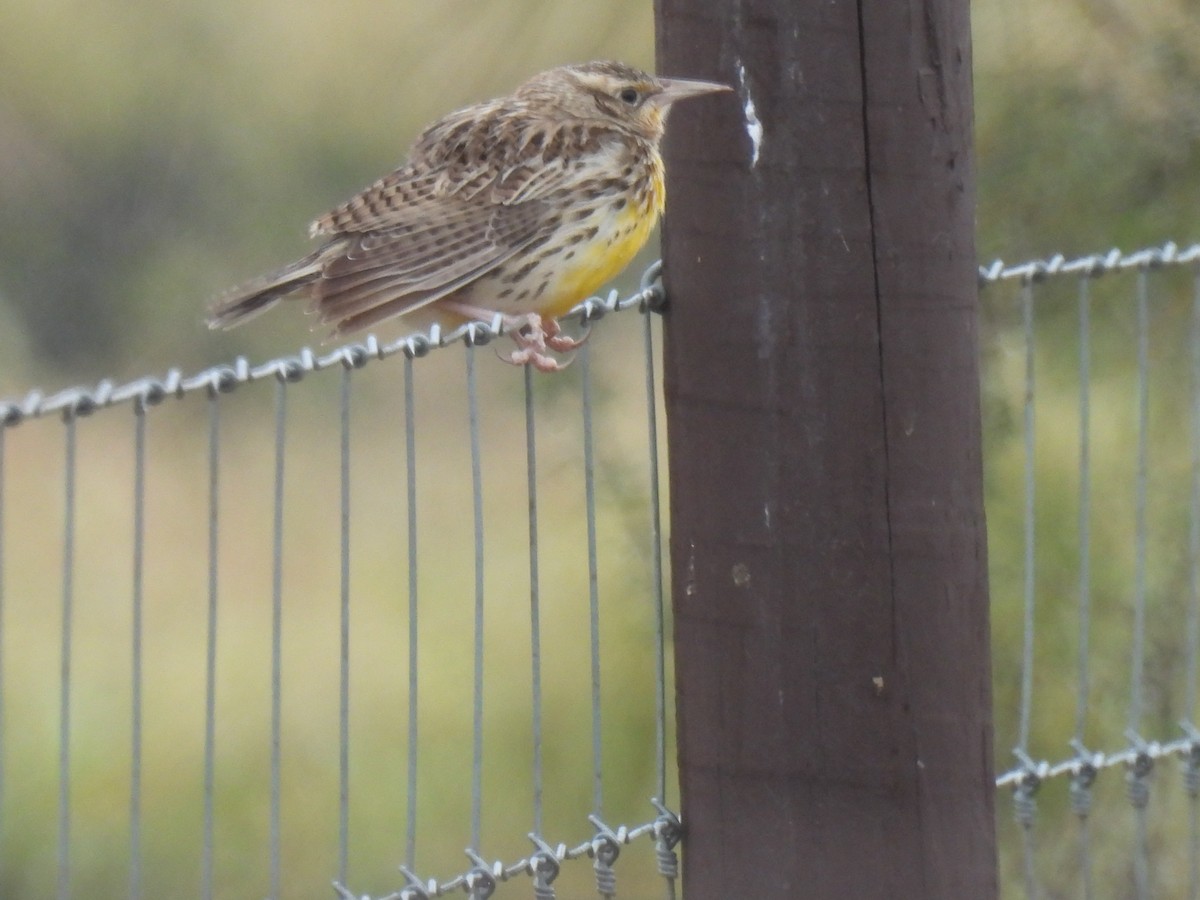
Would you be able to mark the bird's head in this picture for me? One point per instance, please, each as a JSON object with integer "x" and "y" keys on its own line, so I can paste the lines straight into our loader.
{"x": 629, "y": 98}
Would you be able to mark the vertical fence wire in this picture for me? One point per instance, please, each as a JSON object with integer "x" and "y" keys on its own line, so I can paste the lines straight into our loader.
{"x": 135, "y": 738}
{"x": 344, "y": 679}
{"x": 1137, "y": 663}
{"x": 1029, "y": 522}
{"x": 668, "y": 863}
{"x": 64, "y": 710}
{"x": 589, "y": 488}
{"x": 1191, "y": 775}
{"x": 274, "y": 849}
{"x": 210, "y": 650}
{"x": 1085, "y": 507}
{"x": 656, "y": 562}
{"x": 535, "y": 624}
{"x": 1025, "y": 794}
{"x": 1139, "y": 786}
{"x": 1081, "y": 785}
{"x": 1193, "y": 637}
{"x": 477, "y": 509}
{"x": 3, "y": 660}
{"x": 410, "y": 463}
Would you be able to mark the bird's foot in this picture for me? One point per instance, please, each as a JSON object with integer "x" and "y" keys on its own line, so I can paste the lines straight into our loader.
{"x": 535, "y": 337}
{"x": 540, "y": 360}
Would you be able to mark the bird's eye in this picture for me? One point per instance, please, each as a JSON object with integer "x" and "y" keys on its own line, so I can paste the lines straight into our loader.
{"x": 629, "y": 95}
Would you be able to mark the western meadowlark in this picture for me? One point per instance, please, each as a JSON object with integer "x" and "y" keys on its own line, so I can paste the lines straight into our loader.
{"x": 520, "y": 206}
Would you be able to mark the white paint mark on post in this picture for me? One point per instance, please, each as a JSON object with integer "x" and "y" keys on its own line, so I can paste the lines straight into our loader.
{"x": 754, "y": 128}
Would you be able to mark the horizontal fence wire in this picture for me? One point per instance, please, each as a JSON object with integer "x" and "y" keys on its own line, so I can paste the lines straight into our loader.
{"x": 1091, "y": 266}
{"x": 485, "y": 877}
{"x": 221, "y": 379}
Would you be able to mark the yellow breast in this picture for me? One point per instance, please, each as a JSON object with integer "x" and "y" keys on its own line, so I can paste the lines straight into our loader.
{"x": 619, "y": 237}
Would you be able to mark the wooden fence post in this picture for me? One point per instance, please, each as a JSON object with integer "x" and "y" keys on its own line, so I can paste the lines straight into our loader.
{"x": 828, "y": 544}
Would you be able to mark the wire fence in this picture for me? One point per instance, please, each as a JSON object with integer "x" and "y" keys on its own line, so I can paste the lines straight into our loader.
{"x": 1108, "y": 593}
{"x": 482, "y": 875}
{"x": 1135, "y": 566}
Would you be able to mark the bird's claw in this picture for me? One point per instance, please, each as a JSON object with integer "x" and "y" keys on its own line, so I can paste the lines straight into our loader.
{"x": 559, "y": 342}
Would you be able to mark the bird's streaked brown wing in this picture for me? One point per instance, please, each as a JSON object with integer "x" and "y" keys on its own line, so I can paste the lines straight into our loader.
{"x": 393, "y": 271}
{"x": 470, "y": 198}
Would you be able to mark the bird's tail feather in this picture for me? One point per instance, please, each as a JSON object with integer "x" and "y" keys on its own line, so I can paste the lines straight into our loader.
{"x": 255, "y": 297}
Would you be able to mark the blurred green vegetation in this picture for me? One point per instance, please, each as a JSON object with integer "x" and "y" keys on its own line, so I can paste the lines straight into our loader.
{"x": 152, "y": 155}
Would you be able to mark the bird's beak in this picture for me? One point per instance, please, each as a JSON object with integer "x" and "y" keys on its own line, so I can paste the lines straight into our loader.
{"x": 674, "y": 89}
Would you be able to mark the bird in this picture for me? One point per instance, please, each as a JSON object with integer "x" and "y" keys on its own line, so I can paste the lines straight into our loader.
{"x": 518, "y": 207}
